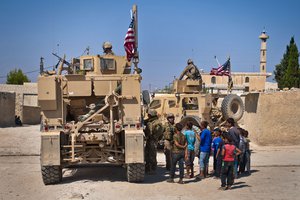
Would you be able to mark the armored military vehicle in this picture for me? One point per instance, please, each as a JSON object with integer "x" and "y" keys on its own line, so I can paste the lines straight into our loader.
{"x": 91, "y": 113}
{"x": 189, "y": 101}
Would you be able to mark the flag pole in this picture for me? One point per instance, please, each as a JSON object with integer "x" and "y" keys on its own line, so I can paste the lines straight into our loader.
{"x": 217, "y": 61}
{"x": 135, "y": 59}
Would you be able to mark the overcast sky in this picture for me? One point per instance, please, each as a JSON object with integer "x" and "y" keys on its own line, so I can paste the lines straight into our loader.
{"x": 170, "y": 32}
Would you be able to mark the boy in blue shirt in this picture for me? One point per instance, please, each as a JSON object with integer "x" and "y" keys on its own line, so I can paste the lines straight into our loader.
{"x": 216, "y": 144}
{"x": 205, "y": 146}
{"x": 190, "y": 153}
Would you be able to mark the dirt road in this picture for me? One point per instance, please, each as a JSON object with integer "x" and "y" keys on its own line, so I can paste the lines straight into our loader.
{"x": 275, "y": 175}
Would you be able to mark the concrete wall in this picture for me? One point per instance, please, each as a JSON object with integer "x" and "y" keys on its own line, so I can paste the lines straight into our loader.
{"x": 273, "y": 118}
{"x": 31, "y": 115}
{"x": 26, "y": 93}
{"x": 7, "y": 109}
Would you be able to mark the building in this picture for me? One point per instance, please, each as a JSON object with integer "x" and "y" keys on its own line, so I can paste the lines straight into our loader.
{"x": 243, "y": 81}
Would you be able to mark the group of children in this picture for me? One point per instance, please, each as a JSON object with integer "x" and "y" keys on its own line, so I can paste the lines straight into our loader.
{"x": 228, "y": 146}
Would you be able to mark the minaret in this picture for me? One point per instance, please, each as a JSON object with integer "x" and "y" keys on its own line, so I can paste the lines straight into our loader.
{"x": 263, "y": 52}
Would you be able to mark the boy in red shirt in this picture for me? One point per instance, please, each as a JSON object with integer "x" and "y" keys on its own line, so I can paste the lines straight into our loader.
{"x": 229, "y": 151}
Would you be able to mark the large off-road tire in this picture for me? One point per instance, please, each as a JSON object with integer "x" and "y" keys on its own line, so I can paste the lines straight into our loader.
{"x": 194, "y": 119}
{"x": 51, "y": 174}
{"x": 232, "y": 107}
{"x": 135, "y": 172}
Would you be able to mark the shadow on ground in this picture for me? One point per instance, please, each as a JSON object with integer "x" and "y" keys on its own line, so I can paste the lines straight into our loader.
{"x": 108, "y": 173}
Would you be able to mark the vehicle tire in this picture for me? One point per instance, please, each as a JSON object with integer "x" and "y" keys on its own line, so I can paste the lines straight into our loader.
{"x": 135, "y": 172}
{"x": 51, "y": 174}
{"x": 194, "y": 119}
{"x": 232, "y": 107}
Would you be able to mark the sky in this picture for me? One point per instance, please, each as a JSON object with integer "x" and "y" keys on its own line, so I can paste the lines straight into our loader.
{"x": 170, "y": 32}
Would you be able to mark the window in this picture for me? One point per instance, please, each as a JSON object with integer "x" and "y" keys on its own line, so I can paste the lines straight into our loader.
{"x": 155, "y": 104}
{"x": 88, "y": 64}
{"x": 171, "y": 103}
{"x": 246, "y": 89}
{"x": 213, "y": 80}
{"x": 190, "y": 103}
{"x": 108, "y": 64}
{"x": 263, "y": 68}
{"x": 247, "y": 79}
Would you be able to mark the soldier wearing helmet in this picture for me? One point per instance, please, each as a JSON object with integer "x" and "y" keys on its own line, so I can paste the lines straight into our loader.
{"x": 107, "y": 48}
{"x": 153, "y": 133}
{"x": 169, "y": 129}
{"x": 190, "y": 72}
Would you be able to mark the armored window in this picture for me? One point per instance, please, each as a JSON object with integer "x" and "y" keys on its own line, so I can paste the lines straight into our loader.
{"x": 213, "y": 80}
{"x": 171, "y": 103}
{"x": 190, "y": 103}
{"x": 88, "y": 64}
{"x": 107, "y": 64}
{"x": 155, "y": 104}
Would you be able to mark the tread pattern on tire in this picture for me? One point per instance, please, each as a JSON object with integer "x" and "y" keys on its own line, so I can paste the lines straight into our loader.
{"x": 51, "y": 174}
{"x": 226, "y": 107}
{"x": 135, "y": 172}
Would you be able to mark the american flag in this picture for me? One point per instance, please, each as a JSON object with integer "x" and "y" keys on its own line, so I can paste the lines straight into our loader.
{"x": 223, "y": 70}
{"x": 129, "y": 43}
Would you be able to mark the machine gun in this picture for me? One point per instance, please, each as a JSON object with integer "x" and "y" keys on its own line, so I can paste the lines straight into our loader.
{"x": 63, "y": 61}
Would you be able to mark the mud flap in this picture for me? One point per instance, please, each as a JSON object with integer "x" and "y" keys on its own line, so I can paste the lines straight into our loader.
{"x": 134, "y": 146}
{"x": 50, "y": 148}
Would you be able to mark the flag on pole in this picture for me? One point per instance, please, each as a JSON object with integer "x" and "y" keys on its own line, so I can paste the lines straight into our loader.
{"x": 129, "y": 43}
{"x": 223, "y": 70}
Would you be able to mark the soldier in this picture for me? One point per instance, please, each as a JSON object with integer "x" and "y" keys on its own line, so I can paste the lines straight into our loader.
{"x": 168, "y": 139}
{"x": 107, "y": 48}
{"x": 190, "y": 72}
{"x": 153, "y": 132}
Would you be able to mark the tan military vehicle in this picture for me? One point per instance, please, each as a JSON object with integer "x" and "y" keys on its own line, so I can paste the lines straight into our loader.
{"x": 91, "y": 114}
{"x": 190, "y": 102}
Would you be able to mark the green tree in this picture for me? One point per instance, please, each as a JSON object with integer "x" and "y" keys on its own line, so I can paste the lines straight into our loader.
{"x": 287, "y": 73}
{"x": 17, "y": 77}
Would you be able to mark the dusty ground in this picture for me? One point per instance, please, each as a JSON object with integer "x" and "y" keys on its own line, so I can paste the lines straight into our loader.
{"x": 275, "y": 175}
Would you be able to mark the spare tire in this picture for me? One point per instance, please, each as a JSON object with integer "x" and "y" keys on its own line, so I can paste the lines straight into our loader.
{"x": 232, "y": 107}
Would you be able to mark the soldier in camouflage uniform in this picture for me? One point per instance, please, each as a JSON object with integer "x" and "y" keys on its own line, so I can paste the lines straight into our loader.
{"x": 153, "y": 132}
{"x": 107, "y": 48}
{"x": 190, "y": 72}
{"x": 168, "y": 139}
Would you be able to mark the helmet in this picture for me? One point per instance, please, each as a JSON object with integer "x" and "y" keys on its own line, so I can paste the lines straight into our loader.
{"x": 106, "y": 45}
{"x": 190, "y": 61}
{"x": 170, "y": 115}
{"x": 152, "y": 112}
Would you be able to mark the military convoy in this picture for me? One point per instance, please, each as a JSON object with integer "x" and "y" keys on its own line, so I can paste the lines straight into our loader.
{"x": 91, "y": 113}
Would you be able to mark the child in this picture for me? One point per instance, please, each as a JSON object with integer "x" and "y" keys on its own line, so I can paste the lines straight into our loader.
{"x": 247, "y": 153}
{"x": 216, "y": 143}
{"x": 178, "y": 149}
{"x": 190, "y": 153}
{"x": 229, "y": 151}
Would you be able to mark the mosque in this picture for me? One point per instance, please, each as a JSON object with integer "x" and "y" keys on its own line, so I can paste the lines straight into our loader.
{"x": 244, "y": 81}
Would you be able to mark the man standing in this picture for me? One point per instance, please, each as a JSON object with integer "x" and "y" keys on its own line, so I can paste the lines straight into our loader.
{"x": 153, "y": 132}
{"x": 168, "y": 139}
{"x": 234, "y": 134}
{"x": 205, "y": 146}
{"x": 178, "y": 149}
